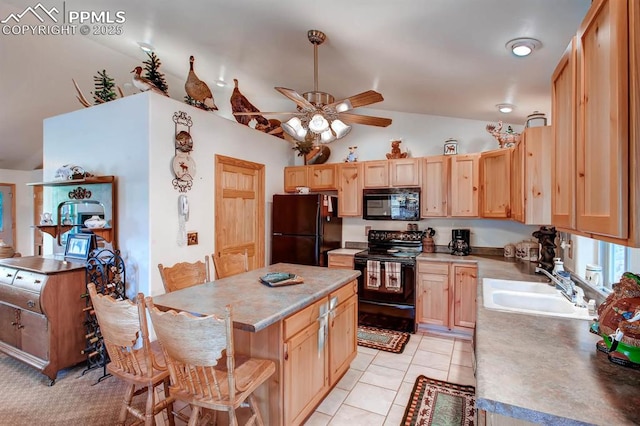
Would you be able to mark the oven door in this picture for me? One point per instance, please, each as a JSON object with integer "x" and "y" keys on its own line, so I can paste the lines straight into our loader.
{"x": 384, "y": 294}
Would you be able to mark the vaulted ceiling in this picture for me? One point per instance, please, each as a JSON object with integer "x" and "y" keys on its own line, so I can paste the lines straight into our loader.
{"x": 438, "y": 57}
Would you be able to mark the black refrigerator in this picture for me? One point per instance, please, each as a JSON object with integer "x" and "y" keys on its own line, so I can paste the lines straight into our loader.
{"x": 304, "y": 228}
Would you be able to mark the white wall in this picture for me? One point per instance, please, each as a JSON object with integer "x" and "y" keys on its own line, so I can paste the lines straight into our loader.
{"x": 133, "y": 139}
{"x": 24, "y": 206}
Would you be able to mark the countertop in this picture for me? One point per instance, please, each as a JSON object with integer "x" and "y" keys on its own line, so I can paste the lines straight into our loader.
{"x": 41, "y": 265}
{"x": 345, "y": 251}
{"x": 544, "y": 369}
{"x": 256, "y": 305}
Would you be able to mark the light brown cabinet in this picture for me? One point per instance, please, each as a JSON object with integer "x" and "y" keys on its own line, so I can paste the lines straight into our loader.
{"x": 392, "y": 173}
{"x": 531, "y": 177}
{"x": 350, "y": 189}
{"x": 319, "y": 345}
{"x": 295, "y": 176}
{"x": 465, "y": 182}
{"x": 435, "y": 186}
{"x": 322, "y": 177}
{"x": 563, "y": 164}
{"x": 447, "y": 295}
{"x": 41, "y": 312}
{"x": 495, "y": 186}
{"x": 376, "y": 174}
{"x": 340, "y": 261}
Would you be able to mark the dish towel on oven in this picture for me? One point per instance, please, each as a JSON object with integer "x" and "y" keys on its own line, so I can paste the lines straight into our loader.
{"x": 392, "y": 276}
{"x": 373, "y": 274}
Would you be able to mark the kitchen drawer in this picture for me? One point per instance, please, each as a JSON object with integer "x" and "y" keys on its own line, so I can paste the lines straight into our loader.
{"x": 343, "y": 293}
{"x": 20, "y": 298}
{"x": 440, "y": 268}
{"x": 340, "y": 261}
{"x": 7, "y": 275}
{"x": 298, "y": 321}
{"x": 30, "y": 281}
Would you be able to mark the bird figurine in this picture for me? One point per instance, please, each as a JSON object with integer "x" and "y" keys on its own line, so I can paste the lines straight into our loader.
{"x": 198, "y": 89}
{"x": 144, "y": 84}
{"x": 239, "y": 103}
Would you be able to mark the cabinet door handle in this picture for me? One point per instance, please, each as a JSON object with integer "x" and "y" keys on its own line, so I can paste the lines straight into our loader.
{"x": 31, "y": 303}
{"x": 286, "y": 352}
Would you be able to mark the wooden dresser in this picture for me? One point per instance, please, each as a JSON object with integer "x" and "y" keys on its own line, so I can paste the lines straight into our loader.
{"x": 41, "y": 312}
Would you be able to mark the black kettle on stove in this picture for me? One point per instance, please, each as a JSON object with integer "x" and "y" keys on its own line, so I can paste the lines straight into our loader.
{"x": 459, "y": 244}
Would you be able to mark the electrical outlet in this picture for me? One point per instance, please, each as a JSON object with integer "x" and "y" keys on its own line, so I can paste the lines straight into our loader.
{"x": 192, "y": 238}
{"x": 366, "y": 230}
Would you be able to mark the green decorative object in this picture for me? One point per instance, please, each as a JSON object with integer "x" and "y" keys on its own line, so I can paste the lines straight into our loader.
{"x": 104, "y": 88}
{"x": 151, "y": 67}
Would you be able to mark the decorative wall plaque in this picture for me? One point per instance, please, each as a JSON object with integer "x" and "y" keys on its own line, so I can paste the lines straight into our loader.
{"x": 184, "y": 167}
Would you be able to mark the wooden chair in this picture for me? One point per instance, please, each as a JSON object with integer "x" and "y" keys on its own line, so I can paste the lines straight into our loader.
{"x": 230, "y": 264}
{"x": 194, "y": 348}
{"x": 184, "y": 274}
{"x": 122, "y": 323}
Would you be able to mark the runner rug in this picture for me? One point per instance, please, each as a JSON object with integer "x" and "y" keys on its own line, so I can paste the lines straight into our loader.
{"x": 384, "y": 340}
{"x": 434, "y": 402}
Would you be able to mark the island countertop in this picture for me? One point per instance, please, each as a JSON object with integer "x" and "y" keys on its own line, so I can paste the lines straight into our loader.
{"x": 256, "y": 305}
{"x": 544, "y": 369}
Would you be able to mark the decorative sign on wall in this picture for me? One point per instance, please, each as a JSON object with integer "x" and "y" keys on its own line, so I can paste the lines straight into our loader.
{"x": 183, "y": 165}
{"x": 450, "y": 147}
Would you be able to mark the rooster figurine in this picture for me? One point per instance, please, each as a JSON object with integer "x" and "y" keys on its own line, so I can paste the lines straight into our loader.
{"x": 198, "y": 89}
{"x": 144, "y": 84}
{"x": 239, "y": 103}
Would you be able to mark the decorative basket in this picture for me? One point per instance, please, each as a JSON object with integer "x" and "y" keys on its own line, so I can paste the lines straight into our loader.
{"x": 6, "y": 251}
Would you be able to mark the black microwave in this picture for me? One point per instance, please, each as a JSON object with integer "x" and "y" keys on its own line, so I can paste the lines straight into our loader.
{"x": 391, "y": 204}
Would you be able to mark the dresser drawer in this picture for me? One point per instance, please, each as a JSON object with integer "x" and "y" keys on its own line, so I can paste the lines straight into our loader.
{"x": 29, "y": 281}
{"x": 21, "y": 298}
{"x": 7, "y": 274}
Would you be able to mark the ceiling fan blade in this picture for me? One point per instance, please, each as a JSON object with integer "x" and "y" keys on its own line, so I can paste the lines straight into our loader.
{"x": 295, "y": 97}
{"x": 349, "y": 118}
{"x": 361, "y": 99}
{"x": 267, "y": 113}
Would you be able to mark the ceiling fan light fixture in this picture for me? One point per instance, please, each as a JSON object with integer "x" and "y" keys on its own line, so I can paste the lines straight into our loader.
{"x": 145, "y": 47}
{"x": 318, "y": 123}
{"x": 523, "y": 46}
{"x": 294, "y": 128}
{"x": 341, "y": 130}
{"x": 327, "y": 136}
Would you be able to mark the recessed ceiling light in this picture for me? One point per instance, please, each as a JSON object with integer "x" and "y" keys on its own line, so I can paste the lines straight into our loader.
{"x": 523, "y": 46}
{"x": 505, "y": 108}
{"x": 146, "y": 47}
{"x": 221, "y": 83}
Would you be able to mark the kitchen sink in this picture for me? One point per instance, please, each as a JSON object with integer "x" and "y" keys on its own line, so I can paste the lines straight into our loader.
{"x": 529, "y": 298}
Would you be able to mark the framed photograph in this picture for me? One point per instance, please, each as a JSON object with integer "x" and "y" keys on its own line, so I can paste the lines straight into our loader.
{"x": 79, "y": 246}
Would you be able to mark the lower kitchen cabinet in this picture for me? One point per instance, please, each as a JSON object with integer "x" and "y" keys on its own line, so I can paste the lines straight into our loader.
{"x": 341, "y": 258}
{"x": 447, "y": 295}
{"x": 320, "y": 343}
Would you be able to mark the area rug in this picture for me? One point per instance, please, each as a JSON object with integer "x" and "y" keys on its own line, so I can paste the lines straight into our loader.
{"x": 434, "y": 402}
{"x": 384, "y": 340}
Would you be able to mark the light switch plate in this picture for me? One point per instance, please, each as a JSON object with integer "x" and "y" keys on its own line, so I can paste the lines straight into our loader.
{"x": 192, "y": 238}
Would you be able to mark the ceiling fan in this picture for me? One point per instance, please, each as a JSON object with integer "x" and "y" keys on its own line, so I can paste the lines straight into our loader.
{"x": 321, "y": 117}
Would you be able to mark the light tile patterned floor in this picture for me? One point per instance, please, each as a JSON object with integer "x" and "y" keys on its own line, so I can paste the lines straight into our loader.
{"x": 377, "y": 387}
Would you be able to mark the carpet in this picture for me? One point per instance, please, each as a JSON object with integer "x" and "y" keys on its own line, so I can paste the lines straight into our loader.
{"x": 434, "y": 402}
{"x": 384, "y": 340}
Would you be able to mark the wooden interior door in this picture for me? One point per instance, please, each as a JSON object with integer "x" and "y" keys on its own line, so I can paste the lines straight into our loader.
{"x": 239, "y": 209}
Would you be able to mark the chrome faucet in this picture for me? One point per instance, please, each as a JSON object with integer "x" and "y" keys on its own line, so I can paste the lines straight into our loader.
{"x": 567, "y": 287}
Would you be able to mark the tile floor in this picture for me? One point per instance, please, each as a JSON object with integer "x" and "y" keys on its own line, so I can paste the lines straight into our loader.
{"x": 377, "y": 387}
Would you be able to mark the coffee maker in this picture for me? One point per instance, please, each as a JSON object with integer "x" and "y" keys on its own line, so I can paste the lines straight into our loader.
{"x": 459, "y": 244}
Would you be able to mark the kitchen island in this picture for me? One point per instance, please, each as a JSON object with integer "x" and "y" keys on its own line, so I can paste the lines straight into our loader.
{"x": 309, "y": 330}
{"x": 544, "y": 369}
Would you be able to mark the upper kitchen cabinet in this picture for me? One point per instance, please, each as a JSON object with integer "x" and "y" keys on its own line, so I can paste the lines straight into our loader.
{"x": 72, "y": 202}
{"x": 495, "y": 173}
{"x": 294, "y": 177}
{"x": 435, "y": 186}
{"x": 392, "y": 173}
{"x": 465, "y": 182}
{"x": 563, "y": 167}
{"x": 531, "y": 177}
{"x": 602, "y": 149}
{"x": 320, "y": 177}
{"x": 350, "y": 189}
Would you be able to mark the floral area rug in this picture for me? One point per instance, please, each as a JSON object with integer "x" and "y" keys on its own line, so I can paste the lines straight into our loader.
{"x": 434, "y": 402}
{"x": 384, "y": 340}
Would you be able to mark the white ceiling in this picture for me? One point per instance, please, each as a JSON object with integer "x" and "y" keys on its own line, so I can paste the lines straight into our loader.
{"x": 438, "y": 57}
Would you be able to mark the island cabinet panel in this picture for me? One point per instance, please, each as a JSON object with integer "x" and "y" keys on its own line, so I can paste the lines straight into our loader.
{"x": 343, "y": 330}
{"x": 465, "y": 182}
{"x": 495, "y": 186}
{"x": 350, "y": 189}
{"x": 295, "y": 176}
{"x": 564, "y": 109}
{"x": 376, "y": 174}
{"x": 435, "y": 186}
{"x": 602, "y": 202}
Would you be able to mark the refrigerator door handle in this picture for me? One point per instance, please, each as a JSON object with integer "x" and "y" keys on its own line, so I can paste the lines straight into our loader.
{"x": 277, "y": 233}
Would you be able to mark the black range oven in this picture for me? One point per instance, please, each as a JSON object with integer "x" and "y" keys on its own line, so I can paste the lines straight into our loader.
{"x": 387, "y": 284}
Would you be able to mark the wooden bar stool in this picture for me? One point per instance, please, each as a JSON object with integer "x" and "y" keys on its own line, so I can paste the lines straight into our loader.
{"x": 184, "y": 274}
{"x": 230, "y": 264}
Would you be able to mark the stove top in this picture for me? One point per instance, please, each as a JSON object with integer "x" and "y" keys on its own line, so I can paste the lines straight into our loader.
{"x": 393, "y": 245}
